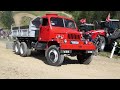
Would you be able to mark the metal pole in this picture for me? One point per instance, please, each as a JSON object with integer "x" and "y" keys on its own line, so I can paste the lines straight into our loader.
{"x": 113, "y": 50}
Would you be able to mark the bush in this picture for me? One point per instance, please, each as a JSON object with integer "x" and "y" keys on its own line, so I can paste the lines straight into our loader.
{"x": 7, "y": 19}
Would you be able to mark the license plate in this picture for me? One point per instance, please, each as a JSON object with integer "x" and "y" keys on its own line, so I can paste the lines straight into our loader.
{"x": 89, "y": 51}
{"x": 74, "y": 42}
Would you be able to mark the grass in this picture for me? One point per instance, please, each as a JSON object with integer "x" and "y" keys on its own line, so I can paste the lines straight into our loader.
{"x": 37, "y": 13}
{"x": 107, "y": 54}
{"x": 62, "y": 14}
{"x": 25, "y": 20}
{"x": 1, "y": 25}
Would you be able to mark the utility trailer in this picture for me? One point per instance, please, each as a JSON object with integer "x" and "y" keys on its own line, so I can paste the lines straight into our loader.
{"x": 55, "y": 34}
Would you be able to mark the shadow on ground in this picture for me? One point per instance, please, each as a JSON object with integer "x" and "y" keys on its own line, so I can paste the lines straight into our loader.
{"x": 67, "y": 60}
{"x": 41, "y": 56}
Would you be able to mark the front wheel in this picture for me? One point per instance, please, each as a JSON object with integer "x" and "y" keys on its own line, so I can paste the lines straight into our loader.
{"x": 53, "y": 56}
{"x": 85, "y": 58}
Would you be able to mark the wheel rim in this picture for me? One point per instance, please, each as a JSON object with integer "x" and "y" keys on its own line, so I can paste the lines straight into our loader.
{"x": 103, "y": 45}
{"x": 16, "y": 48}
{"x": 53, "y": 55}
{"x": 21, "y": 50}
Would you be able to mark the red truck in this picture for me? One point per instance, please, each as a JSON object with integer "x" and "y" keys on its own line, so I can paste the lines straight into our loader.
{"x": 55, "y": 34}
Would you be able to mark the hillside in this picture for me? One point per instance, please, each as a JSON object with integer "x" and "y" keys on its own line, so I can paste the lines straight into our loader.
{"x": 23, "y": 17}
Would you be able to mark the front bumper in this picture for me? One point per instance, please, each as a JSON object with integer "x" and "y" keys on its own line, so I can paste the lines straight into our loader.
{"x": 77, "y": 47}
{"x": 75, "y": 51}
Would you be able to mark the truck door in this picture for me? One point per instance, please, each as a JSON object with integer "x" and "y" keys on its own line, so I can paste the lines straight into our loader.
{"x": 44, "y": 30}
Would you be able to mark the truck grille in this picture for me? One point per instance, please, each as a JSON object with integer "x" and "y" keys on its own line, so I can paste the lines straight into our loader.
{"x": 73, "y": 36}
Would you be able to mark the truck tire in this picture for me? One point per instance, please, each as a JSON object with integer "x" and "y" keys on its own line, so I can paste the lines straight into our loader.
{"x": 84, "y": 58}
{"x": 28, "y": 52}
{"x": 23, "y": 49}
{"x": 102, "y": 44}
{"x": 16, "y": 47}
{"x": 53, "y": 56}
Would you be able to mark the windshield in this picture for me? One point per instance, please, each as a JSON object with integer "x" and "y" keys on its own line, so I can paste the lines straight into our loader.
{"x": 58, "y": 22}
{"x": 86, "y": 28}
{"x": 112, "y": 25}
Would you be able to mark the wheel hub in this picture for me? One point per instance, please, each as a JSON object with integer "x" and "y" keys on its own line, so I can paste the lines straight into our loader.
{"x": 16, "y": 49}
{"x": 102, "y": 46}
{"x": 53, "y": 55}
{"x": 21, "y": 50}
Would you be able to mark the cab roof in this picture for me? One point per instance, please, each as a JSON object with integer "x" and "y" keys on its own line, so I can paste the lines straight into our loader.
{"x": 49, "y": 15}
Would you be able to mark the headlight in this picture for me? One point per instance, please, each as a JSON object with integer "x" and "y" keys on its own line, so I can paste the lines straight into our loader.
{"x": 60, "y": 36}
{"x": 65, "y": 41}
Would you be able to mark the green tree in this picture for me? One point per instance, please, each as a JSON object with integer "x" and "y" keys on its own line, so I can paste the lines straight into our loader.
{"x": 76, "y": 15}
{"x": 117, "y": 15}
{"x": 7, "y": 19}
{"x": 93, "y": 15}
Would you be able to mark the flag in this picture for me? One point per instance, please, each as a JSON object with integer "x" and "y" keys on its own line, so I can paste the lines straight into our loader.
{"x": 108, "y": 18}
{"x": 83, "y": 20}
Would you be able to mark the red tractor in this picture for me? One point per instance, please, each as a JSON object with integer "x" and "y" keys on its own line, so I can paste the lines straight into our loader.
{"x": 100, "y": 32}
{"x": 96, "y": 35}
{"x": 56, "y": 35}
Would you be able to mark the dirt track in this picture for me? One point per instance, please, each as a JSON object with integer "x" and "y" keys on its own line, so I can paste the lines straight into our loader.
{"x": 15, "y": 67}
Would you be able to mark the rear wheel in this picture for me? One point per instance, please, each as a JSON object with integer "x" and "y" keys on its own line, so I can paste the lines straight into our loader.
{"x": 84, "y": 58}
{"x": 28, "y": 52}
{"x": 53, "y": 56}
{"x": 23, "y": 49}
{"x": 102, "y": 43}
{"x": 16, "y": 47}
